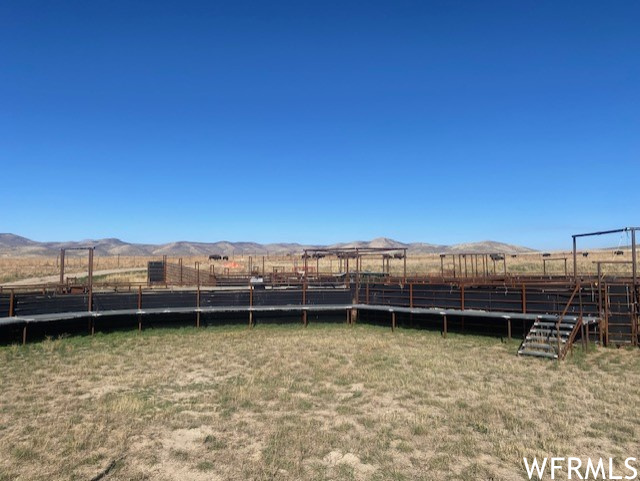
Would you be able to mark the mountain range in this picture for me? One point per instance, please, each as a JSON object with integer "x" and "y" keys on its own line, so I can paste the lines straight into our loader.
{"x": 14, "y": 245}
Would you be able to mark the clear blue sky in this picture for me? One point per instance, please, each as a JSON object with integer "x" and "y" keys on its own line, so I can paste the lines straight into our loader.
{"x": 318, "y": 122}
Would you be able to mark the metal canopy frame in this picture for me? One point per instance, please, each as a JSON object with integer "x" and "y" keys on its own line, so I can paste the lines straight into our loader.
{"x": 90, "y": 249}
{"x": 358, "y": 253}
{"x": 634, "y": 263}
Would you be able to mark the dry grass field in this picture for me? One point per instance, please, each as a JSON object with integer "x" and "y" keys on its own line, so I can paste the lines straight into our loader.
{"x": 17, "y": 268}
{"x": 325, "y": 402}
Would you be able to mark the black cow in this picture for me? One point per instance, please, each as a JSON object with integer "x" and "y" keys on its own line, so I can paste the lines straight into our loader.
{"x": 398, "y": 255}
{"x": 619, "y": 253}
{"x": 585, "y": 254}
{"x": 225, "y": 258}
{"x": 215, "y": 257}
{"x": 546, "y": 254}
{"x": 497, "y": 257}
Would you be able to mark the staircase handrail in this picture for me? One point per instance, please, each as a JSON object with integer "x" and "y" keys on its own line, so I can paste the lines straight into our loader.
{"x": 561, "y": 318}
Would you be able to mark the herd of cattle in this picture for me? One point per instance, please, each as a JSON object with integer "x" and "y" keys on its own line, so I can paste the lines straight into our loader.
{"x": 586, "y": 254}
{"x": 399, "y": 255}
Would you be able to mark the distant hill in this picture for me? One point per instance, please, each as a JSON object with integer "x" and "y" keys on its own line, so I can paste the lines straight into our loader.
{"x": 14, "y": 245}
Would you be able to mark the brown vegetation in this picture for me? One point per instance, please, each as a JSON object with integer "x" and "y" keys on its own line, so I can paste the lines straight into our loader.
{"x": 326, "y": 402}
{"x": 17, "y": 268}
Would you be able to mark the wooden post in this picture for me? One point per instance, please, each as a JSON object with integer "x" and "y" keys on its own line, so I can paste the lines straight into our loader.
{"x": 444, "y": 326}
{"x": 24, "y": 334}
{"x": 393, "y": 320}
{"x": 509, "y": 328}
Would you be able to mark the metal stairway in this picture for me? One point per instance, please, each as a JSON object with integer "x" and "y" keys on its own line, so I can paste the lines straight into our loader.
{"x": 550, "y": 339}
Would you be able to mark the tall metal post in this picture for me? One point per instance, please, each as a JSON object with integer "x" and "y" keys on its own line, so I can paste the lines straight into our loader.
{"x": 91, "y": 278}
{"x": 198, "y": 305}
{"x": 304, "y": 302}
{"x": 575, "y": 261}
{"x": 305, "y": 263}
{"x": 347, "y": 278}
{"x": 404, "y": 275}
{"x": 61, "y": 266}
{"x": 250, "y": 305}
{"x": 634, "y": 314}
{"x": 164, "y": 268}
{"x": 634, "y": 266}
{"x": 357, "y": 275}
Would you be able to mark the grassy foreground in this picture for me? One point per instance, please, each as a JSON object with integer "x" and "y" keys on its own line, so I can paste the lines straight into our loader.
{"x": 326, "y": 402}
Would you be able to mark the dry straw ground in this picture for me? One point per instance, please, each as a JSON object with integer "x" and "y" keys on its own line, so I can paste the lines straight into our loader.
{"x": 17, "y": 268}
{"x": 325, "y": 402}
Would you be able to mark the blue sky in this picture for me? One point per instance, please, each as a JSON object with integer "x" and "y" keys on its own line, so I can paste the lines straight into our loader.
{"x": 319, "y": 122}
